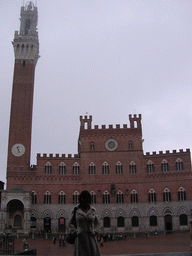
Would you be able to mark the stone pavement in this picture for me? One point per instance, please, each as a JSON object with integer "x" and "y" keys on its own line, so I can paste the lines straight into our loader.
{"x": 173, "y": 245}
{"x": 158, "y": 254}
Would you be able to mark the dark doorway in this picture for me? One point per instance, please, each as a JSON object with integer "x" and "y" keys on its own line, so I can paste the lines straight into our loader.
{"x": 47, "y": 224}
{"x": 61, "y": 224}
{"x": 120, "y": 222}
{"x": 168, "y": 222}
{"x": 106, "y": 222}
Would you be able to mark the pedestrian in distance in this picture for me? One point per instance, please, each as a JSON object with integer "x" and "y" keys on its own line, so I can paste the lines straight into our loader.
{"x": 102, "y": 241}
{"x": 59, "y": 240}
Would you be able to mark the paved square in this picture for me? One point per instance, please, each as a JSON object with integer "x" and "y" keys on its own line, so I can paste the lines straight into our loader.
{"x": 161, "y": 244}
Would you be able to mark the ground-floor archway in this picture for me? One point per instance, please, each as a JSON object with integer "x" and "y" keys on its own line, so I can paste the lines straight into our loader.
{"x": 15, "y": 209}
{"x": 61, "y": 224}
{"x": 47, "y": 224}
{"x": 168, "y": 222}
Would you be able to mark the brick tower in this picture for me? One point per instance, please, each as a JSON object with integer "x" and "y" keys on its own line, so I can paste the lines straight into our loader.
{"x": 26, "y": 48}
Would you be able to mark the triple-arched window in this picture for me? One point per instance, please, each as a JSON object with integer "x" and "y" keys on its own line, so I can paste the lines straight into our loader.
{"x": 166, "y": 195}
{"x": 61, "y": 198}
{"x": 76, "y": 168}
{"x": 62, "y": 168}
{"x": 48, "y": 168}
{"x": 106, "y": 197}
{"x": 105, "y": 168}
{"x": 181, "y": 194}
{"x": 179, "y": 165}
{"x": 75, "y": 197}
{"x": 150, "y": 167}
{"x": 132, "y": 167}
{"x": 134, "y": 196}
{"x": 119, "y": 168}
{"x": 47, "y": 197}
{"x": 91, "y": 168}
{"x": 152, "y": 196}
{"x": 119, "y": 197}
{"x": 93, "y": 197}
{"x": 164, "y": 166}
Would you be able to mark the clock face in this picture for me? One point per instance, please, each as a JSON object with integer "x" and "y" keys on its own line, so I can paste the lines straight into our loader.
{"x": 18, "y": 149}
{"x": 111, "y": 144}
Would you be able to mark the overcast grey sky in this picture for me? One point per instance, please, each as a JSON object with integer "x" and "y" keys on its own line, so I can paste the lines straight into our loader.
{"x": 110, "y": 58}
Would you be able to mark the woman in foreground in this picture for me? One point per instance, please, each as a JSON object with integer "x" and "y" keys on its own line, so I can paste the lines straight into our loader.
{"x": 86, "y": 224}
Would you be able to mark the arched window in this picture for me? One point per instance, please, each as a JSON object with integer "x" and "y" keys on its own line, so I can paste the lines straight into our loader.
{"x": 91, "y": 168}
{"x": 93, "y": 197}
{"x": 47, "y": 197}
{"x": 119, "y": 197}
{"x": 181, "y": 194}
{"x": 179, "y": 165}
{"x": 164, "y": 166}
{"x": 33, "y": 197}
{"x": 105, "y": 168}
{"x": 92, "y": 146}
{"x": 120, "y": 222}
{"x": 132, "y": 167}
{"x": 166, "y": 195}
{"x": 33, "y": 222}
{"x": 106, "y": 222}
{"x": 135, "y": 221}
{"x": 183, "y": 220}
{"x": 61, "y": 198}
{"x": 27, "y": 26}
{"x": 48, "y": 168}
{"x": 106, "y": 197}
{"x": 134, "y": 196}
{"x": 62, "y": 168}
{"x": 152, "y": 196}
{"x": 75, "y": 197}
{"x": 130, "y": 145}
{"x": 153, "y": 221}
{"x": 76, "y": 169}
{"x": 150, "y": 167}
{"x": 119, "y": 168}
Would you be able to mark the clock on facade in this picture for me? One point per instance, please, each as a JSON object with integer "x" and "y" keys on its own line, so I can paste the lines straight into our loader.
{"x": 111, "y": 144}
{"x": 18, "y": 149}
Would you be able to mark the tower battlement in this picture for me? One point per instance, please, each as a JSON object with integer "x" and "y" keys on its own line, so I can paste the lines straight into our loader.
{"x": 56, "y": 156}
{"x": 167, "y": 152}
{"x": 134, "y": 119}
{"x": 88, "y": 120}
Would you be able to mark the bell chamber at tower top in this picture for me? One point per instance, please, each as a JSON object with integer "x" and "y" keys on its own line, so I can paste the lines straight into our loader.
{"x": 29, "y": 6}
{"x": 28, "y": 19}
{"x": 26, "y": 42}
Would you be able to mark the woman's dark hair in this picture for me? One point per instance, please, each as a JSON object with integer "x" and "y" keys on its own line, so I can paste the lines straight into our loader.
{"x": 84, "y": 198}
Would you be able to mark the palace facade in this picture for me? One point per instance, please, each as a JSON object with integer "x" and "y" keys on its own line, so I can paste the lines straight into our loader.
{"x": 133, "y": 192}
